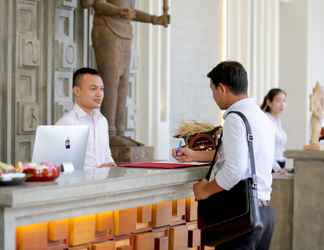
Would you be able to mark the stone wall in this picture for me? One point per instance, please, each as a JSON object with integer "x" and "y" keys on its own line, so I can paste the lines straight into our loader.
{"x": 40, "y": 48}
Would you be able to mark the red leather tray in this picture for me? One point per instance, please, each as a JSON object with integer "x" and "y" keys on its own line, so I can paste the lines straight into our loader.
{"x": 156, "y": 165}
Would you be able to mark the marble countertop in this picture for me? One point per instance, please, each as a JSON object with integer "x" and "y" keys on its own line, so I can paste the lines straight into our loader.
{"x": 97, "y": 190}
{"x": 98, "y": 183}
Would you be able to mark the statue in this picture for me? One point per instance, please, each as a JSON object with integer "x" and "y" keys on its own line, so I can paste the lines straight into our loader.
{"x": 112, "y": 42}
{"x": 316, "y": 108}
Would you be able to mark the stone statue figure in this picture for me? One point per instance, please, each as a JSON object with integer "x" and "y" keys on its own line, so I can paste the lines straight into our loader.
{"x": 112, "y": 42}
{"x": 316, "y": 109}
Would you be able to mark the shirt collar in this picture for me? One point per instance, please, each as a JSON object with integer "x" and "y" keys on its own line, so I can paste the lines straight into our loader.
{"x": 273, "y": 118}
{"x": 239, "y": 105}
{"x": 81, "y": 113}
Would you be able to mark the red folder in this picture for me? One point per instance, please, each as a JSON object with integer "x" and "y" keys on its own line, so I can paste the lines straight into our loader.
{"x": 157, "y": 165}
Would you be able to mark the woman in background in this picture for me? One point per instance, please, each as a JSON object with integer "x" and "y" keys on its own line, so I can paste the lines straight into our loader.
{"x": 274, "y": 104}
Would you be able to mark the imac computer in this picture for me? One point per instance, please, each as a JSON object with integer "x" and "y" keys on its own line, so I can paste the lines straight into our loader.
{"x": 61, "y": 144}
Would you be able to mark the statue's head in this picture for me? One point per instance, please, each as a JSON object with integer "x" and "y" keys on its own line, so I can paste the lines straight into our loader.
{"x": 87, "y": 3}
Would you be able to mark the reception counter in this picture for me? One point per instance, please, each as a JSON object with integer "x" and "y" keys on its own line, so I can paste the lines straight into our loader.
{"x": 118, "y": 209}
{"x": 94, "y": 192}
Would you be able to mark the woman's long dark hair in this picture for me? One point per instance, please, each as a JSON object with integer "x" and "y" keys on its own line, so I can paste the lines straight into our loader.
{"x": 269, "y": 97}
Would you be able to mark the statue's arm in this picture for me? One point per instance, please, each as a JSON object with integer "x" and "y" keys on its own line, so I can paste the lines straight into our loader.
{"x": 144, "y": 17}
{"x": 102, "y": 7}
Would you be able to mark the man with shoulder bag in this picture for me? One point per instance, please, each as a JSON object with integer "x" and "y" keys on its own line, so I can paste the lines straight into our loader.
{"x": 234, "y": 210}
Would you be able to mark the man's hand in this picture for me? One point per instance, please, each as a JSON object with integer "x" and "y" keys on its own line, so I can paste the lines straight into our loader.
{"x": 128, "y": 13}
{"x": 281, "y": 171}
{"x": 200, "y": 190}
{"x": 108, "y": 165}
{"x": 183, "y": 154}
{"x": 203, "y": 189}
{"x": 87, "y": 3}
{"x": 163, "y": 20}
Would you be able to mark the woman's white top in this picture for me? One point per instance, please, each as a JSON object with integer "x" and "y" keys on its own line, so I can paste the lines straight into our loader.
{"x": 280, "y": 141}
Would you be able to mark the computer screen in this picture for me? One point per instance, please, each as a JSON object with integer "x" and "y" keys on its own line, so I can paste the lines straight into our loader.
{"x": 61, "y": 144}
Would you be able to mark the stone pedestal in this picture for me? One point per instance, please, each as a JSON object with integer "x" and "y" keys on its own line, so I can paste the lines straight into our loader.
{"x": 308, "y": 211}
{"x": 314, "y": 146}
{"x": 282, "y": 200}
{"x": 132, "y": 153}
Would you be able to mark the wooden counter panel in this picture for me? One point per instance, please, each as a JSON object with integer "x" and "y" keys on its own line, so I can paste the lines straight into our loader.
{"x": 125, "y": 221}
{"x": 165, "y": 228}
{"x": 194, "y": 235}
{"x": 82, "y": 230}
{"x": 162, "y": 214}
{"x": 191, "y": 209}
{"x": 144, "y": 241}
{"x": 105, "y": 223}
{"x": 178, "y": 212}
{"x": 109, "y": 245}
{"x": 33, "y": 237}
{"x": 58, "y": 230}
{"x": 144, "y": 218}
{"x": 178, "y": 238}
{"x": 161, "y": 243}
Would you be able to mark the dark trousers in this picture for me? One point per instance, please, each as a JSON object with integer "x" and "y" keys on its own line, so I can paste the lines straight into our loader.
{"x": 256, "y": 240}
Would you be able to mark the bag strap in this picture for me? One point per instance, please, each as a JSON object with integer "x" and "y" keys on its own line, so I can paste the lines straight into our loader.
{"x": 212, "y": 163}
{"x": 250, "y": 147}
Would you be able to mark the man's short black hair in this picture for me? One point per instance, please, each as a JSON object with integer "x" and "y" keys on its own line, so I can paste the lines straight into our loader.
{"x": 231, "y": 74}
{"x": 82, "y": 71}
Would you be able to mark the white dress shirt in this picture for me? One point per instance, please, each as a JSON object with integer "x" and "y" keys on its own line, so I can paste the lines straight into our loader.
{"x": 233, "y": 162}
{"x": 280, "y": 141}
{"x": 98, "y": 150}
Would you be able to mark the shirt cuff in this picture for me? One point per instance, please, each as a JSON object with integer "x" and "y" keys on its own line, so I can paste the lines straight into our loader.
{"x": 110, "y": 159}
{"x": 276, "y": 167}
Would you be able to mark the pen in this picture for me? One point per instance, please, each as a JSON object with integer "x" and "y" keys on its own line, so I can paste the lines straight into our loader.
{"x": 179, "y": 147}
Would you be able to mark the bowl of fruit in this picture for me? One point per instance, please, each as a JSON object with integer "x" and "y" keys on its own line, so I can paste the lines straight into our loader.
{"x": 11, "y": 175}
{"x": 41, "y": 172}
